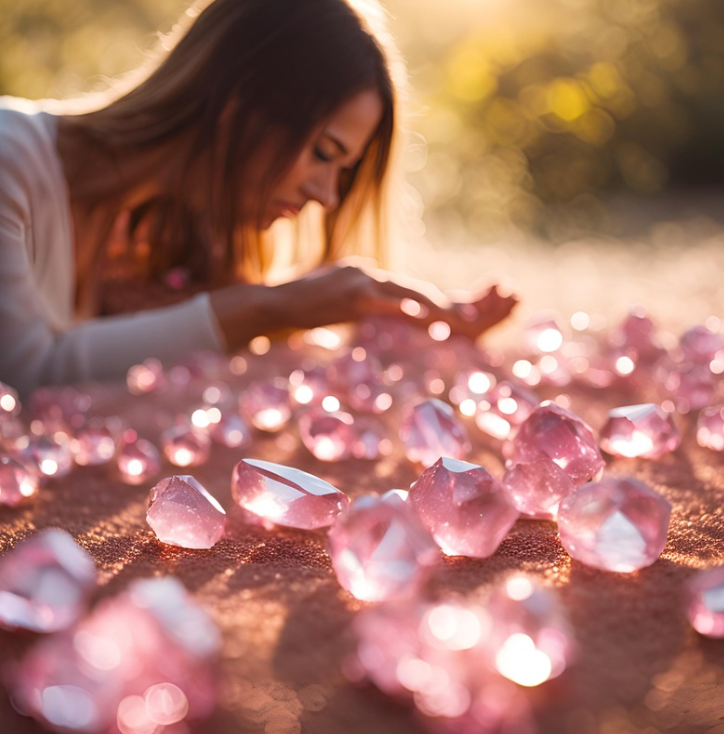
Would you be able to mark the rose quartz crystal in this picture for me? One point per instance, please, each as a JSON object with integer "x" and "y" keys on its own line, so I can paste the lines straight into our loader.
{"x": 181, "y": 512}
{"x": 138, "y": 459}
{"x": 464, "y": 507}
{"x": 16, "y": 483}
{"x": 310, "y": 386}
{"x": 353, "y": 368}
{"x": 537, "y": 488}
{"x": 380, "y": 550}
{"x": 266, "y": 404}
{"x": 646, "y": 431}
{"x": 140, "y": 661}
{"x": 705, "y": 602}
{"x": 284, "y": 495}
{"x": 94, "y": 444}
{"x": 146, "y": 377}
{"x": 617, "y": 524}
{"x": 710, "y": 428}
{"x": 691, "y": 386}
{"x": 370, "y": 440}
{"x": 555, "y": 433}
{"x": 506, "y": 406}
{"x": 700, "y": 344}
{"x": 531, "y": 639}
{"x": 637, "y": 337}
{"x": 431, "y": 430}
{"x": 45, "y": 582}
{"x": 372, "y": 396}
{"x": 328, "y": 436}
{"x": 185, "y": 445}
{"x": 231, "y": 430}
{"x": 51, "y": 458}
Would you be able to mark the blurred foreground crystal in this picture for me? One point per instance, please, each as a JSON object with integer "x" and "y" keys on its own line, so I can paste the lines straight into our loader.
{"x": 45, "y": 582}
{"x": 617, "y": 524}
{"x": 431, "y": 430}
{"x": 284, "y": 495}
{"x": 328, "y": 436}
{"x": 646, "y": 431}
{"x": 145, "y": 377}
{"x": 557, "y": 434}
{"x": 380, "y": 550}
{"x": 140, "y": 661}
{"x": 231, "y": 430}
{"x": 266, "y": 404}
{"x": 94, "y": 443}
{"x": 16, "y": 483}
{"x": 49, "y": 457}
{"x": 181, "y": 512}
{"x": 466, "y": 510}
{"x": 710, "y": 428}
{"x": 138, "y": 459}
{"x": 705, "y": 602}
{"x": 537, "y": 488}
{"x": 185, "y": 445}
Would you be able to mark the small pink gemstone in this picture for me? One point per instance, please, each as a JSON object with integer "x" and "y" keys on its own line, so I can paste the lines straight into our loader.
{"x": 691, "y": 386}
{"x": 506, "y": 406}
{"x": 379, "y": 549}
{"x": 231, "y": 430}
{"x": 309, "y": 387}
{"x": 555, "y": 433}
{"x": 537, "y": 488}
{"x": 544, "y": 335}
{"x": 45, "y": 582}
{"x": 10, "y": 405}
{"x": 617, "y": 524}
{"x": 531, "y": 639}
{"x": 372, "y": 396}
{"x": 94, "y": 444}
{"x": 16, "y": 483}
{"x": 286, "y": 496}
{"x": 464, "y": 507}
{"x": 146, "y": 377}
{"x": 431, "y": 430}
{"x": 705, "y": 602}
{"x": 185, "y": 446}
{"x": 645, "y": 431}
{"x": 181, "y": 512}
{"x": 266, "y": 404}
{"x": 328, "y": 436}
{"x": 700, "y": 344}
{"x": 52, "y": 459}
{"x": 138, "y": 459}
{"x": 59, "y": 407}
{"x": 710, "y": 428}
{"x": 353, "y": 368}
{"x": 637, "y": 336}
{"x": 370, "y": 441}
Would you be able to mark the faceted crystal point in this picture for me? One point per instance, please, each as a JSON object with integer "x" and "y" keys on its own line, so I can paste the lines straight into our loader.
{"x": 537, "y": 488}
{"x": 9, "y": 402}
{"x": 284, "y": 495}
{"x": 557, "y": 434}
{"x": 379, "y": 549}
{"x": 506, "y": 406}
{"x": 181, "y": 512}
{"x": 431, "y": 430}
{"x": 710, "y": 428}
{"x": 138, "y": 459}
{"x": 705, "y": 602}
{"x": 328, "y": 436}
{"x": 266, "y": 404}
{"x": 531, "y": 639}
{"x": 185, "y": 446}
{"x": 646, "y": 431}
{"x": 464, "y": 507}
{"x": 16, "y": 483}
{"x": 617, "y": 524}
{"x": 44, "y": 582}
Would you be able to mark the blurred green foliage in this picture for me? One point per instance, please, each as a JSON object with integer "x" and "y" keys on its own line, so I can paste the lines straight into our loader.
{"x": 528, "y": 111}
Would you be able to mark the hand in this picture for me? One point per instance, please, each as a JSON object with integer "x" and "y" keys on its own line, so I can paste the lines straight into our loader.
{"x": 477, "y": 316}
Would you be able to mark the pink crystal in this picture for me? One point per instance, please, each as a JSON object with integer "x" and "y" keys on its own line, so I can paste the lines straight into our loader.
{"x": 371, "y": 396}
{"x": 705, "y": 602}
{"x": 537, "y": 488}
{"x": 51, "y": 458}
{"x": 138, "y": 459}
{"x": 700, "y": 344}
{"x": 44, "y": 582}
{"x": 9, "y": 402}
{"x": 309, "y": 387}
{"x": 431, "y": 430}
{"x": 637, "y": 337}
{"x": 506, "y": 406}
{"x": 531, "y": 639}
{"x": 370, "y": 441}
{"x": 231, "y": 430}
{"x": 617, "y": 524}
{"x": 464, "y": 507}
{"x": 353, "y": 368}
{"x": 284, "y": 495}
{"x": 328, "y": 436}
{"x": 185, "y": 446}
{"x": 181, "y": 512}
{"x": 16, "y": 483}
{"x": 146, "y": 377}
{"x": 646, "y": 431}
{"x": 266, "y": 404}
{"x": 692, "y": 386}
{"x": 141, "y": 660}
{"x": 94, "y": 444}
{"x": 380, "y": 550}
{"x": 59, "y": 407}
{"x": 555, "y": 433}
{"x": 544, "y": 335}
{"x": 710, "y": 428}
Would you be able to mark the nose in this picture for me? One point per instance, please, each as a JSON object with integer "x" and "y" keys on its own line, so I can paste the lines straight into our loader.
{"x": 323, "y": 188}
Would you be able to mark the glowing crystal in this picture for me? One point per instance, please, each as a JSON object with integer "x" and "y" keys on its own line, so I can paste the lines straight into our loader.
{"x": 138, "y": 459}
{"x": 266, "y": 404}
{"x": 16, "y": 483}
{"x": 328, "y": 436}
{"x": 185, "y": 445}
{"x": 710, "y": 428}
{"x": 645, "y": 431}
{"x": 231, "y": 430}
{"x": 705, "y": 602}
{"x": 506, "y": 406}
{"x": 94, "y": 444}
{"x": 537, "y": 488}
{"x": 10, "y": 405}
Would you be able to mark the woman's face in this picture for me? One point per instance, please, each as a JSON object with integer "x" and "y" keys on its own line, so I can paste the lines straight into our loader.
{"x": 334, "y": 148}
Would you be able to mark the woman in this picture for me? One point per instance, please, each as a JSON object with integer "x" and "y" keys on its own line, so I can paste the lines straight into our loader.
{"x": 262, "y": 110}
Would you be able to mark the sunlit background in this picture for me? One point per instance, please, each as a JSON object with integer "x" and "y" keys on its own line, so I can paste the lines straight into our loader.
{"x": 547, "y": 119}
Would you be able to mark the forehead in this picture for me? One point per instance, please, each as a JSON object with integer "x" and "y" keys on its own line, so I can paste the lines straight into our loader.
{"x": 354, "y": 122}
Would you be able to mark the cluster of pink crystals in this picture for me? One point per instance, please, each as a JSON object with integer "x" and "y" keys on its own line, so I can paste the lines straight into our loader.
{"x": 431, "y": 430}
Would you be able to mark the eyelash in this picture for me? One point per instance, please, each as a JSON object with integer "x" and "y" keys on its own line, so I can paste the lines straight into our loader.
{"x": 320, "y": 155}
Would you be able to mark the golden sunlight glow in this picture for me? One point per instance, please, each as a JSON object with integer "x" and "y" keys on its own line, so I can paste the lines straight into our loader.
{"x": 269, "y": 419}
{"x": 322, "y": 337}
{"x": 260, "y": 345}
{"x": 625, "y": 365}
{"x": 303, "y": 394}
{"x": 49, "y": 467}
{"x": 549, "y": 340}
{"x": 493, "y": 424}
{"x": 468, "y": 407}
{"x": 480, "y": 382}
{"x": 453, "y": 628}
{"x": 135, "y": 467}
{"x": 330, "y": 404}
{"x": 181, "y": 456}
{"x": 519, "y": 588}
{"x": 635, "y": 445}
{"x": 508, "y": 406}
{"x": 520, "y": 661}
{"x": 410, "y": 307}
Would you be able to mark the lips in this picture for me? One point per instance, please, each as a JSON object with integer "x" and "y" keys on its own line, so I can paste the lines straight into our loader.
{"x": 288, "y": 209}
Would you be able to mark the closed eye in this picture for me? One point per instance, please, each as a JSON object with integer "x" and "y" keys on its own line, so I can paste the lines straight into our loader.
{"x": 320, "y": 155}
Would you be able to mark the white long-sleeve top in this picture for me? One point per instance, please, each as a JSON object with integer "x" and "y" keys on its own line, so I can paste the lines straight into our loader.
{"x": 42, "y": 341}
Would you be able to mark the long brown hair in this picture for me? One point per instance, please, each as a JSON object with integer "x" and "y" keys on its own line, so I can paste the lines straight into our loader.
{"x": 281, "y": 64}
